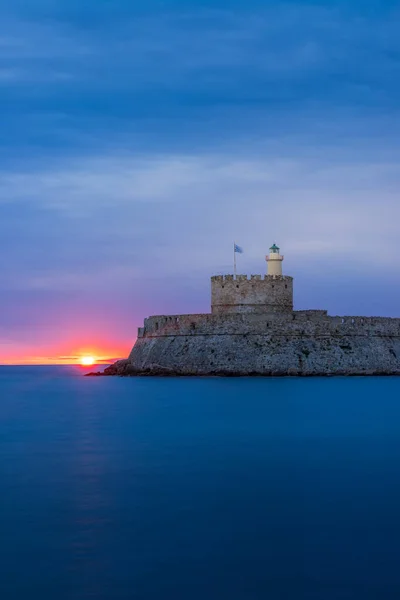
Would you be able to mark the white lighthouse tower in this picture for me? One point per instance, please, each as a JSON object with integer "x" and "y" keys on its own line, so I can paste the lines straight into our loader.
{"x": 274, "y": 261}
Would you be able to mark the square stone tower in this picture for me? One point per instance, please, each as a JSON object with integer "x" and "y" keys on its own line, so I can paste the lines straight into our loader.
{"x": 257, "y": 294}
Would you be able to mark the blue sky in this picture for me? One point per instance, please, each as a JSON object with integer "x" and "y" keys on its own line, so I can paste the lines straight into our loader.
{"x": 140, "y": 139}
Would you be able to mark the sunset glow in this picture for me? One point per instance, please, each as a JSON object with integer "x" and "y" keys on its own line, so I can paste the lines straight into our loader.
{"x": 87, "y": 361}
{"x": 100, "y": 353}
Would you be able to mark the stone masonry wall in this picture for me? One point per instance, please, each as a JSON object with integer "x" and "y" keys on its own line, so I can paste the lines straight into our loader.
{"x": 272, "y": 355}
{"x": 299, "y": 343}
{"x": 297, "y": 323}
{"x": 254, "y": 295}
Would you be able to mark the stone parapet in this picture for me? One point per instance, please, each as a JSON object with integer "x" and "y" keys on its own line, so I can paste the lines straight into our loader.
{"x": 295, "y": 324}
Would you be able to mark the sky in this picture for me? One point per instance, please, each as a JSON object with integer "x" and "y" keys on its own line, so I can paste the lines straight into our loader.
{"x": 140, "y": 139}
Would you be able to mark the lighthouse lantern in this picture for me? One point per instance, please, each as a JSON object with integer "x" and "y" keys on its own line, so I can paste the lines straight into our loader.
{"x": 274, "y": 261}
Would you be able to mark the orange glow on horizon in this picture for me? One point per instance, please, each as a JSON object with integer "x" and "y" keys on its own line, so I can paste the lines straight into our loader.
{"x": 88, "y": 361}
{"x": 84, "y": 356}
{"x": 68, "y": 344}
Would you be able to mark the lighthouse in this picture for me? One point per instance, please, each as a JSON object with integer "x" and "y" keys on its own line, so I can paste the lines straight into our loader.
{"x": 274, "y": 261}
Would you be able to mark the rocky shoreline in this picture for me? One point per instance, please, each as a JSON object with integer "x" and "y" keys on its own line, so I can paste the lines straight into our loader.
{"x": 124, "y": 368}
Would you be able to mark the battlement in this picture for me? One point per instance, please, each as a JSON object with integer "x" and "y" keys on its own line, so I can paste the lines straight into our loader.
{"x": 241, "y": 278}
{"x": 257, "y": 293}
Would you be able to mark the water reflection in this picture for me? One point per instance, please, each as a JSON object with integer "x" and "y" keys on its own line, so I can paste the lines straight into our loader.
{"x": 91, "y": 500}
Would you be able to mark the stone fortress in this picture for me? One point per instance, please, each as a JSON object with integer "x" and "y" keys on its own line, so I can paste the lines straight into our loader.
{"x": 253, "y": 330}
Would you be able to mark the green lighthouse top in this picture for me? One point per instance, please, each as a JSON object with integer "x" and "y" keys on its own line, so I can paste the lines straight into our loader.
{"x": 274, "y": 248}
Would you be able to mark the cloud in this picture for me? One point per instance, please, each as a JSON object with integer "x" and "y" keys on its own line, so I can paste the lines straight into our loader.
{"x": 161, "y": 216}
{"x": 195, "y": 48}
{"x": 90, "y": 78}
{"x": 174, "y": 80}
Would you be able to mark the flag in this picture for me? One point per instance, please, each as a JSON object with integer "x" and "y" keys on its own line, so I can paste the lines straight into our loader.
{"x": 238, "y": 249}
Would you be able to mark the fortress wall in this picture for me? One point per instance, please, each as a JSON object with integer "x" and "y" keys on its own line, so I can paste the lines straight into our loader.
{"x": 264, "y": 355}
{"x": 160, "y": 325}
{"x": 298, "y": 323}
{"x": 254, "y": 294}
{"x": 253, "y": 330}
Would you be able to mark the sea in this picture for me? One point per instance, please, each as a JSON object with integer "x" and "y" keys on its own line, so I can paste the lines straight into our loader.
{"x": 198, "y": 488}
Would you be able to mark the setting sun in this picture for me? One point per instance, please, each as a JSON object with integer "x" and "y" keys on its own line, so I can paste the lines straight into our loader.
{"x": 87, "y": 361}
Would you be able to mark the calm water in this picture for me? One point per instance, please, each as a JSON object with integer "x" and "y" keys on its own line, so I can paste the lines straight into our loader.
{"x": 198, "y": 488}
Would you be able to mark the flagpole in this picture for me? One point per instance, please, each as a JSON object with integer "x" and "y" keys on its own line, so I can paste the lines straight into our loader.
{"x": 234, "y": 260}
